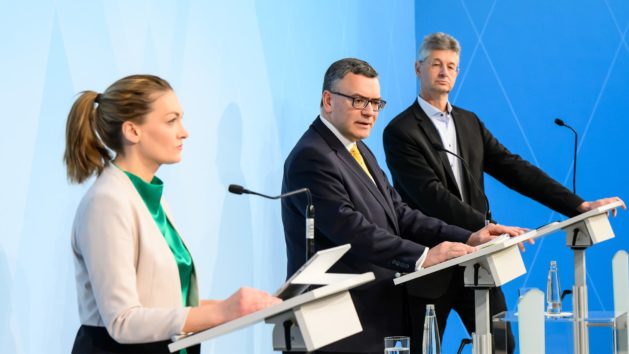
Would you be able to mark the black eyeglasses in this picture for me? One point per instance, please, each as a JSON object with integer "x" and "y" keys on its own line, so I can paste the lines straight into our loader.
{"x": 361, "y": 103}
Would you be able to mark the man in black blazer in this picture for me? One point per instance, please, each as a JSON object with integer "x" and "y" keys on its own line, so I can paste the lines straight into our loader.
{"x": 355, "y": 204}
{"x": 437, "y": 182}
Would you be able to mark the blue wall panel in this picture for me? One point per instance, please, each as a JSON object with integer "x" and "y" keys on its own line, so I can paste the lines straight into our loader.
{"x": 249, "y": 77}
{"x": 524, "y": 63}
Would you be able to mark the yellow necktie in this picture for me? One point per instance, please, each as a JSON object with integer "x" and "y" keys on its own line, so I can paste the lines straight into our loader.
{"x": 359, "y": 158}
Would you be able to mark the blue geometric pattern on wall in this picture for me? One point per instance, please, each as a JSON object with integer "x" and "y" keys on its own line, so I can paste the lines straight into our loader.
{"x": 523, "y": 64}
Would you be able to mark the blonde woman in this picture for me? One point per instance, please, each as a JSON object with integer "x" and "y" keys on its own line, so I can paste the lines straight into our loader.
{"x": 135, "y": 278}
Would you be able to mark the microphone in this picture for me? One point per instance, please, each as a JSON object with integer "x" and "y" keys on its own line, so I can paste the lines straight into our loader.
{"x": 236, "y": 189}
{"x": 310, "y": 211}
{"x": 561, "y": 123}
{"x": 487, "y": 213}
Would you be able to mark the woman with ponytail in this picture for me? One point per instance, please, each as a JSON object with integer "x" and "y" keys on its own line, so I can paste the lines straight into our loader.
{"x": 136, "y": 282}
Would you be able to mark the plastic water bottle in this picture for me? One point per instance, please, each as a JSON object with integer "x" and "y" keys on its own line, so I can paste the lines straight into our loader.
{"x": 397, "y": 345}
{"x": 553, "y": 290}
{"x": 431, "y": 343}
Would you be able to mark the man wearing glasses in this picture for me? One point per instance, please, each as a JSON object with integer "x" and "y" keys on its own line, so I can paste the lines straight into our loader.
{"x": 355, "y": 204}
{"x": 437, "y": 154}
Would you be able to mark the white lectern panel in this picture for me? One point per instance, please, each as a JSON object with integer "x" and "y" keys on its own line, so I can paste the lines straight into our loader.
{"x": 531, "y": 326}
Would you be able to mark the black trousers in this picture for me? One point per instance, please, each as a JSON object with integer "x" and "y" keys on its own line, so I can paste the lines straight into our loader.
{"x": 460, "y": 299}
{"x": 96, "y": 340}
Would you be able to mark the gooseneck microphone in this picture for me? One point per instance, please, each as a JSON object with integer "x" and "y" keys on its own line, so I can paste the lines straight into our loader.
{"x": 310, "y": 211}
{"x": 487, "y": 213}
{"x": 561, "y": 123}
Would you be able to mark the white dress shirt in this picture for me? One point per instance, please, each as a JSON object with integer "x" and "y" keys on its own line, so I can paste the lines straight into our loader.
{"x": 346, "y": 142}
{"x": 447, "y": 131}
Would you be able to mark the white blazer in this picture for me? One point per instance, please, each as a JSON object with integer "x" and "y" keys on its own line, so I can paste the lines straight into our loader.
{"x": 126, "y": 275}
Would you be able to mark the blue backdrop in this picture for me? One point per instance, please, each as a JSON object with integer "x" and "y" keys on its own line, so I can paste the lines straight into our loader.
{"x": 249, "y": 76}
{"x": 523, "y": 64}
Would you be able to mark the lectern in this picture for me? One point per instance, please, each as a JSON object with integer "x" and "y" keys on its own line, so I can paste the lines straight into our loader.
{"x": 493, "y": 264}
{"x": 498, "y": 262}
{"x": 584, "y": 231}
{"x": 305, "y": 320}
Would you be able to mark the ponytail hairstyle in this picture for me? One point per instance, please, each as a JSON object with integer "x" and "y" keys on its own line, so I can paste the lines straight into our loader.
{"x": 94, "y": 126}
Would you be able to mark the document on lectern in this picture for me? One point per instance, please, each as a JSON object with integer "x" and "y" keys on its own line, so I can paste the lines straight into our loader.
{"x": 313, "y": 272}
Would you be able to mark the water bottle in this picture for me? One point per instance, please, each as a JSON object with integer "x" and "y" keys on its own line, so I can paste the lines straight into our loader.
{"x": 431, "y": 343}
{"x": 397, "y": 345}
{"x": 553, "y": 290}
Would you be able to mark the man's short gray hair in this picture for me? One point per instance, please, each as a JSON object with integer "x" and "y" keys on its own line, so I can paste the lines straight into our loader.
{"x": 437, "y": 41}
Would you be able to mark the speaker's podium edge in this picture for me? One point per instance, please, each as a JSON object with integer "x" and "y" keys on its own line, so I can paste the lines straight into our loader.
{"x": 305, "y": 322}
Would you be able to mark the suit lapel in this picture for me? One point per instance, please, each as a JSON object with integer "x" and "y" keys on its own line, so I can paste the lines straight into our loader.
{"x": 381, "y": 185}
{"x": 462, "y": 132}
{"x": 466, "y": 130}
{"x": 353, "y": 166}
{"x": 435, "y": 140}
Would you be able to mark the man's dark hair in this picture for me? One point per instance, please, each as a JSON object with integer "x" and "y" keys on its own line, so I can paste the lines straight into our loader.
{"x": 340, "y": 68}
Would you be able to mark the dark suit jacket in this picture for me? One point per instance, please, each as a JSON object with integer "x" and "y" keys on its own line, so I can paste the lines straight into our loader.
{"x": 386, "y": 235}
{"x": 424, "y": 179}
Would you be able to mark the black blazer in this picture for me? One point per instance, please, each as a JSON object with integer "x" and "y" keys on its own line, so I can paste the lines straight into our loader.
{"x": 386, "y": 235}
{"x": 424, "y": 179}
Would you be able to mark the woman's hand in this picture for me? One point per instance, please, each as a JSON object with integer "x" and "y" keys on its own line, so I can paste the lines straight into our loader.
{"x": 245, "y": 301}
{"x": 212, "y": 313}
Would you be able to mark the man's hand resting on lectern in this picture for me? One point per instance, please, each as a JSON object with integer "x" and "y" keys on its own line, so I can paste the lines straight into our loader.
{"x": 490, "y": 231}
{"x": 587, "y": 206}
{"x": 448, "y": 250}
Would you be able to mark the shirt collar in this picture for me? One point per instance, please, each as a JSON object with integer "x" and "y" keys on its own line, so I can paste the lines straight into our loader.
{"x": 151, "y": 193}
{"x": 432, "y": 111}
{"x": 346, "y": 142}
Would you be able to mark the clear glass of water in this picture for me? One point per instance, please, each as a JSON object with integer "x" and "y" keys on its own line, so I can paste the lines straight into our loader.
{"x": 397, "y": 345}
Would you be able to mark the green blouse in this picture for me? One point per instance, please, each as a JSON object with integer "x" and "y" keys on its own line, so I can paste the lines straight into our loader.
{"x": 151, "y": 193}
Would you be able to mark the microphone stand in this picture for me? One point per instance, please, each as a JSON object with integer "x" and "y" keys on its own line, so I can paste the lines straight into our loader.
{"x": 561, "y": 123}
{"x": 487, "y": 213}
{"x": 310, "y": 229}
{"x": 579, "y": 289}
{"x": 310, "y": 212}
